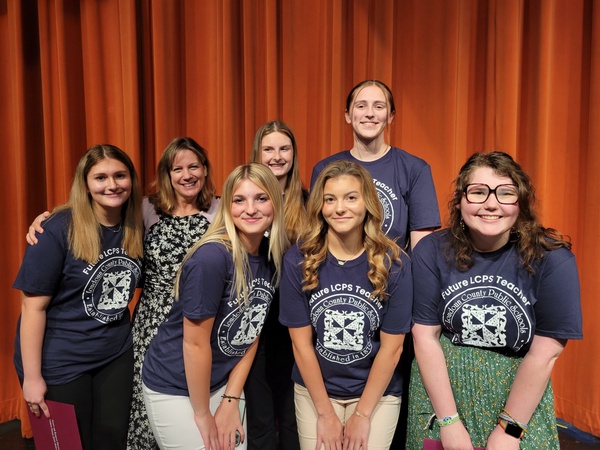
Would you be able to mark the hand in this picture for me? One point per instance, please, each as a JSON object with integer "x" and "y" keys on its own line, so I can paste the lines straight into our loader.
{"x": 34, "y": 391}
{"x": 227, "y": 418}
{"x": 500, "y": 440}
{"x": 329, "y": 432}
{"x": 36, "y": 227}
{"x": 356, "y": 433}
{"x": 455, "y": 437}
{"x": 208, "y": 430}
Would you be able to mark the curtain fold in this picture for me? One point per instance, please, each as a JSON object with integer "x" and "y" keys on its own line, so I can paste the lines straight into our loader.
{"x": 467, "y": 75}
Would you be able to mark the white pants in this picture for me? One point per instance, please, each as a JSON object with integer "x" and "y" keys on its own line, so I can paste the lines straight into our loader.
{"x": 383, "y": 420}
{"x": 171, "y": 418}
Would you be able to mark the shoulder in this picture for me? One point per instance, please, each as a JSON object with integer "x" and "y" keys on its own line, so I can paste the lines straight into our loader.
{"x": 58, "y": 222}
{"x": 432, "y": 242}
{"x": 408, "y": 159}
{"x": 344, "y": 154}
{"x": 552, "y": 259}
{"x": 293, "y": 254}
{"x": 212, "y": 250}
{"x": 149, "y": 213}
{"x": 212, "y": 210}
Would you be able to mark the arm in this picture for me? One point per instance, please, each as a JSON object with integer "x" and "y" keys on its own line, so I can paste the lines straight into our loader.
{"x": 33, "y": 328}
{"x": 36, "y": 226}
{"x": 417, "y": 235}
{"x": 432, "y": 365}
{"x": 356, "y": 431}
{"x": 197, "y": 358}
{"x": 329, "y": 426}
{"x": 228, "y": 414}
{"x": 528, "y": 387}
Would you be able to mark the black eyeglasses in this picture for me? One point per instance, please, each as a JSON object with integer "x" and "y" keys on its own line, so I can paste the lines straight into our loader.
{"x": 506, "y": 194}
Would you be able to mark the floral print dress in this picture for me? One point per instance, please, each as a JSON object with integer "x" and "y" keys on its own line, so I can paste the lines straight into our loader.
{"x": 165, "y": 245}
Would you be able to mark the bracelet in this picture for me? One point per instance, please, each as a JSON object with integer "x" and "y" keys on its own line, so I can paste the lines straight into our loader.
{"x": 231, "y": 397}
{"x": 360, "y": 415}
{"x": 508, "y": 418}
{"x": 448, "y": 420}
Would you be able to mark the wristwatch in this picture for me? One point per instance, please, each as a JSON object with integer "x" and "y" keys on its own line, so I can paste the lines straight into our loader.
{"x": 511, "y": 428}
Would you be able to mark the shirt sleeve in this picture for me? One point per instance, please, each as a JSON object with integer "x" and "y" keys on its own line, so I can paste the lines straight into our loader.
{"x": 204, "y": 280}
{"x": 422, "y": 203}
{"x": 558, "y": 308}
{"x": 426, "y": 283}
{"x": 293, "y": 302}
{"x": 398, "y": 317}
{"x": 43, "y": 263}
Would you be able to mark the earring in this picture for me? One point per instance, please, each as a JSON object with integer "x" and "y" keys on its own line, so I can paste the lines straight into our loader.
{"x": 462, "y": 224}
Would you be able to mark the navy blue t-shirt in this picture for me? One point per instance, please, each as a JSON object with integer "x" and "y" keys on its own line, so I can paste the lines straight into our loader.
{"x": 205, "y": 292}
{"x": 346, "y": 321}
{"x": 87, "y": 319}
{"x": 496, "y": 304}
{"x": 405, "y": 188}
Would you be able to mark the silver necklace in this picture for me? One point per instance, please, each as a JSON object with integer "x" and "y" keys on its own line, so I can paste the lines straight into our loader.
{"x": 341, "y": 262}
{"x": 114, "y": 229}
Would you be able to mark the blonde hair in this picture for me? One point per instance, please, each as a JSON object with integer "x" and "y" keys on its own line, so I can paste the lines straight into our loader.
{"x": 381, "y": 250}
{"x": 164, "y": 199}
{"x": 85, "y": 231}
{"x": 223, "y": 231}
{"x": 295, "y": 195}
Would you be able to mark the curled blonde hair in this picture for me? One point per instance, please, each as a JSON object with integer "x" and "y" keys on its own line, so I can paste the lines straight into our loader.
{"x": 381, "y": 250}
{"x": 223, "y": 231}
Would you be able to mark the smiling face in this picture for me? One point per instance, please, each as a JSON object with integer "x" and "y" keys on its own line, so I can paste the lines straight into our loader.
{"x": 277, "y": 153}
{"x": 489, "y": 223}
{"x": 187, "y": 176}
{"x": 344, "y": 208}
{"x": 369, "y": 113}
{"x": 251, "y": 212}
{"x": 109, "y": 185}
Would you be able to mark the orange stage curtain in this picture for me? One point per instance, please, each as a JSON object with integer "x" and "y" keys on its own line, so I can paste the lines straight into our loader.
{"x": 522, "y": 76}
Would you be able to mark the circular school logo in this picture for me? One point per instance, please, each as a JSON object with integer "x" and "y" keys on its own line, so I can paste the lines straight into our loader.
{"x": 242, "y": 326}
{"x": 347, "y": 321}
{"x": 388, "y": 210}
{"x": 488, "y": 316}
{"x": 109, "y": 288}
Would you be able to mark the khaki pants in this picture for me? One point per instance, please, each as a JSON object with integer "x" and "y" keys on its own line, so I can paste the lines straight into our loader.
{"x": 171, "y": 418}
{"x": 383, "y": 419}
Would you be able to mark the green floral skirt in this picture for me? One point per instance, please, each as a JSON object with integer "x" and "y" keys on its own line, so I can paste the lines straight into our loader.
{"x": 481, "y": 381}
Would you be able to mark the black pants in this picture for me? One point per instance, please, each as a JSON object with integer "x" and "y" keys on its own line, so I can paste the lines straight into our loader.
{"x": 101, "y": 398}
{"x": 270, "y": 391}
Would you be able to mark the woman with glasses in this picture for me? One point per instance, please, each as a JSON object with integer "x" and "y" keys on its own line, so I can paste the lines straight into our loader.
{"x": 496, "y": 297}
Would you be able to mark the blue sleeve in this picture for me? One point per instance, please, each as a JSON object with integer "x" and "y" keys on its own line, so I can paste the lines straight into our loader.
{"x": 293, "y": 302}
{"x": 422, "y": 202}
{"x": 315, "y": 173}
{"x": 558, "y": 307}
{"x": 426, "y": 282}
{"x": 204, "y": 280}
{"x": 43, "y": 263}
{"x": 398, "y": 317}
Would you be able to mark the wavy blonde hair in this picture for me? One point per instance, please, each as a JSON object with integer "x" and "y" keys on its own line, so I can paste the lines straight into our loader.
{"x": 223, "y": 231}
{"x": 294, "y": 208}
{"x": 85, "y": 231}
{"x": 381, "y": 250}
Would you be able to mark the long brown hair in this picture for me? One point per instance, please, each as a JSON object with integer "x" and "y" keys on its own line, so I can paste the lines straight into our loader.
{"x": 85, "y": 230}
{"x": 531, "y": 237}
{"x": 295, "y": 194}
{"x": 381, "y": 250}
